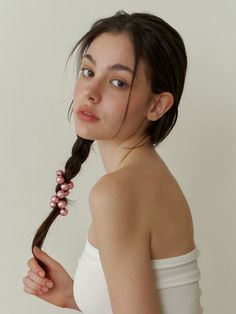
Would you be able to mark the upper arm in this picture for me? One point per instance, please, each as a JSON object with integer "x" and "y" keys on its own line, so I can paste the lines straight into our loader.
{"x": 124, "y": 248}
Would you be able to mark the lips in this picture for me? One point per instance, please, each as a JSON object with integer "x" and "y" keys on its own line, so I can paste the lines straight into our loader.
{"x": 86, "y": 109}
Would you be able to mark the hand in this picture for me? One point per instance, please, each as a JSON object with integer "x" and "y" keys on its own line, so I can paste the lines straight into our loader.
{"x": 56, "y": 288}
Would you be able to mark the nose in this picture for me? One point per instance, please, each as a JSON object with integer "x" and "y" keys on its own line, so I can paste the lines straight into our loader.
{"x": 93, "y": 92}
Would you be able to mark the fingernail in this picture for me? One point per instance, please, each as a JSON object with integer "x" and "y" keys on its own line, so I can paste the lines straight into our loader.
{"x": 36, "y": 248}
{"x": 41, "y": 274}
{"x": 49, "y": 284}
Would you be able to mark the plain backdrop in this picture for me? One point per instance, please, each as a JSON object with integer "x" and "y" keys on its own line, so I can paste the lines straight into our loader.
{"x": 36, "y": 137}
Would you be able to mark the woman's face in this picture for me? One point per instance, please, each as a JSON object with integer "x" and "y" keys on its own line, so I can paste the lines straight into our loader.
{"x": 103, "y": 85}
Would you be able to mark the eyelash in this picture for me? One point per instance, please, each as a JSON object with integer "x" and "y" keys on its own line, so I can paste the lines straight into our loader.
{"x": 123, "y": 83}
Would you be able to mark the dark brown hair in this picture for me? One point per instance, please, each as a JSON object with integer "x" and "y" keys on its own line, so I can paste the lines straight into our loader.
{"x": 163, "y": 51}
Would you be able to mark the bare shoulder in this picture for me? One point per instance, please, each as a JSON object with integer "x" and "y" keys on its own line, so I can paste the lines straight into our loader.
{"x": 150, "y": 196}
{"x": 113, "y": 189}
{"x": 123, "y": 248}
{"x": 114, "y": 179}
{"x": 126, "y": 186}
{"x": 115, "y": 214}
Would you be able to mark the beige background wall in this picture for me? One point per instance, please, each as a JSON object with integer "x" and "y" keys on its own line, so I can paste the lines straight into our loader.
{"x": 36, "y": 138}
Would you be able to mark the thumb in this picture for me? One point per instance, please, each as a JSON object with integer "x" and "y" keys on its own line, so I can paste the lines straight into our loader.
{"x": 44, "y": 257}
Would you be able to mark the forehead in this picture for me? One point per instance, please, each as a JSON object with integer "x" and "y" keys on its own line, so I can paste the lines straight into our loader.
{"x": 111, "y": 48}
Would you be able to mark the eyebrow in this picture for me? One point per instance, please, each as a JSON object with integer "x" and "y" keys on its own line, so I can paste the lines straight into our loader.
{"x": 117, "y": 66}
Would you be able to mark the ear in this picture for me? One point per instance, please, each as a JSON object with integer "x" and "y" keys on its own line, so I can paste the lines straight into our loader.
{"x": 159, "y": 105}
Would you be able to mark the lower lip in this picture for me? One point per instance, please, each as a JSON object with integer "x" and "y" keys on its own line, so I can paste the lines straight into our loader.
{"x": 85, "y": 117}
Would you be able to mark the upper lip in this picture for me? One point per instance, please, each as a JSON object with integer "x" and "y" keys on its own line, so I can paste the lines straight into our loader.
{"x": 87, "y": 109}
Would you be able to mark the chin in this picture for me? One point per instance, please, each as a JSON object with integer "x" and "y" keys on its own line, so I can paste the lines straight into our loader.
{"x": 86, "y": 136}
{"x": 90, "y": 134}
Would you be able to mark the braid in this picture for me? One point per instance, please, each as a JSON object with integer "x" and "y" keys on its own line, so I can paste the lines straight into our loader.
{"x": 80, "y": 152}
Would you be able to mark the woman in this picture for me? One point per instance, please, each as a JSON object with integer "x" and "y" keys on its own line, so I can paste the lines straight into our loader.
{"x": 140, "y": 255}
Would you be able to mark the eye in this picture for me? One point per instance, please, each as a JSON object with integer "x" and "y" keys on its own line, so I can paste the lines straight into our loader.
{"x": 86, "y": 72}
{"x": 120, "y": 84}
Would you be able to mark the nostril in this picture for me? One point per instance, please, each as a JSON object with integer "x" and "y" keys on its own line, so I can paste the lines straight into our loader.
{"x": 92, "y": 98}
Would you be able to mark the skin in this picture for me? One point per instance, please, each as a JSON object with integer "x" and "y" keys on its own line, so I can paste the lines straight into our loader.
{"x": 99, "y": 87}
{"x": 56, "y": 287}
{"x": 106, "y": 91}
{"x": 155, "y": 202}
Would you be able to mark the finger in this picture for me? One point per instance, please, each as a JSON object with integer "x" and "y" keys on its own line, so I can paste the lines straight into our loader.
{"x": 34, "y": 266}
{"x": 34, "y": 287}
{"x": 44, "y": 257}
{"x": 39, "y": 280}
{"x": 33, "y": 292}
{"x": 36, "y": 278}
{"x": 31, "y": 284}
{"x": 29, "y": 290}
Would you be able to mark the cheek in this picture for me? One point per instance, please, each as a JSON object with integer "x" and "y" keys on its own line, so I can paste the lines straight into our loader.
{"x": 138, "y": 105}
{"x": 78, "y": 89}
{"x": 115, "y": 101}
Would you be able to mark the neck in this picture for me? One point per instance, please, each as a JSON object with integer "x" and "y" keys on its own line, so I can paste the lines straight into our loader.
{"x": 118, "y": 155}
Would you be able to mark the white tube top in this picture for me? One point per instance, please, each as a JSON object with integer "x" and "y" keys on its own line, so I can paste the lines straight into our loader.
{"x": 177, "y": 285}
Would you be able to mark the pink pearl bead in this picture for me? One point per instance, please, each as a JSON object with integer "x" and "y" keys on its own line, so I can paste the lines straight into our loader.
{"x": 67, "y": 193}
{"x": 65, "y": 186}
{"x": 60, "y": 180}
{"x": 61, "y": 194}
{"x": 52, "y": 204}
{"x": 60, "y": 173}
{"x": 63, "y": 211}
{"x": 55, "y": 199}
{"x": 61, "y": 204}
{"x": 71, "y": 185}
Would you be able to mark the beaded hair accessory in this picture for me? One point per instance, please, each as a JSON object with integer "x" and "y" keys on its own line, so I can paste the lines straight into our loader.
{"x": 57, "y": 200}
